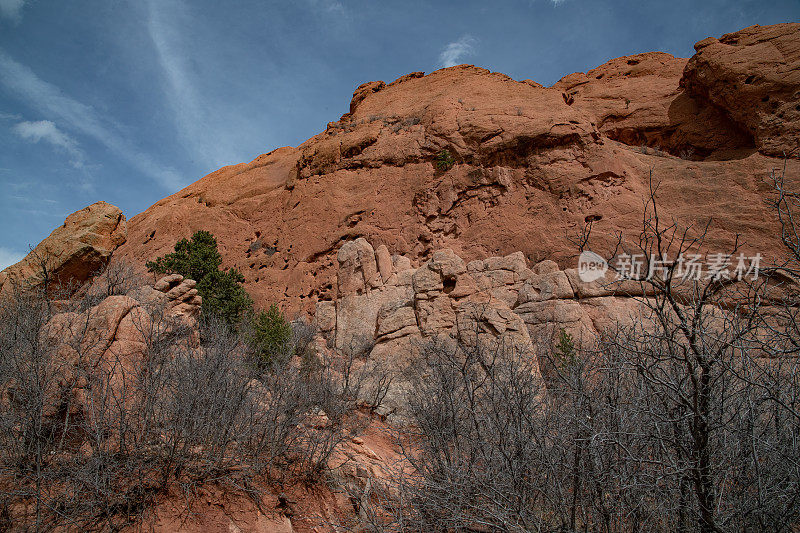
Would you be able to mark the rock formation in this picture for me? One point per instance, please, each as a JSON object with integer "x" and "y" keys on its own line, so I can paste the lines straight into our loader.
{"x": 72, "y": 253}
{"x": 388, "y": 308}
{"x": 753, "y": 76}
{"x": 497, "y": 299}
{"x": 98, "y": 352}
{"x": 399, "y": 305}
{"x": 478, "y": 244}
{"x": 532, "y": 165}
{"x": 113, "y": 335}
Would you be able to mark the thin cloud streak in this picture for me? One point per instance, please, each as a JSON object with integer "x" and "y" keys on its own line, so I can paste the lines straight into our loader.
{"x": 51, "y": 102}
{"x": 455, "y": 51}
{"x": 164, "y": 20}
{"x": 45, "y": 130}
{"x": 12, "y": 9}
{"x": 327, "y": 6}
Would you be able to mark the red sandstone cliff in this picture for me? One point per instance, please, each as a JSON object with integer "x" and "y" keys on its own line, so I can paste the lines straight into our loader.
{"x": 532, "y": 164}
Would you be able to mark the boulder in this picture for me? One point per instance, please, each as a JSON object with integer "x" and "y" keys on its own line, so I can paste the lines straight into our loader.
{"x": 426, "y": 280}
{"x": 754, "y": 76}
{"x": 394, "y": 321}
{"x": 545, "y": 287}
{"x": 325, "y": 316}
{"x": 436, "y": 315}
{"x": 357, "y": 267}
{"x": 447, "y": 264}
{"x": 357, "y": 315}
{"x": 72, "y": 253}
{"x": 384, "y": 262}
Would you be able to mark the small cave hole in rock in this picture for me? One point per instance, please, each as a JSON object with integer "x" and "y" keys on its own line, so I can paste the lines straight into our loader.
{"x": 750, "y": 79}
{"x": 449, "y": 284}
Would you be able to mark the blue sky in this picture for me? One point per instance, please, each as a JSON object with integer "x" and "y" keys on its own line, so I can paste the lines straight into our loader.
{"x": 129, "y": 100}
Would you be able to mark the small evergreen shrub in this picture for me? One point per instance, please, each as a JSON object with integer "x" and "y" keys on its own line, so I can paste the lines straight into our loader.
{"x": 445, "y": 160}
{"x": 566, "y": 354}
{"x": 272, "y": 336}
{"x": 221, "y": 290}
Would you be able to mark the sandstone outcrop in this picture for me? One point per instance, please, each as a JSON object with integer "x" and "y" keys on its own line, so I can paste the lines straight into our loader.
{"x": 99, "y": 352}
{"x": 112, "y": 336}
{"x": 636, "y": 101}
{"x": 753, "y": 75}
{"x": 531, "y": 165}
{"x": 72, "y": 253}
{"x": 499, "y": 299}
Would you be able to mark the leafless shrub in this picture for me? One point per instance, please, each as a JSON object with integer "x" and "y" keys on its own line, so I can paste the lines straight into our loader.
{"x": 684, "y": 418}
{"x": 91, "y": 439}
{"x": 613, "y": 444}
{"x": 364, "y": 382}
{"x": 473, "y": 454}
{"x": 118, "y": 278}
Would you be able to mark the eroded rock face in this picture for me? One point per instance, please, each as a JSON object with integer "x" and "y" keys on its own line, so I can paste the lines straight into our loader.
{"x": 498, "y": 299}
{"x": 120, "y": 323}
{"x": 73, "y": 252}
{"x": 531, "y": 165}
{"x": 114, "y": 336}
{"x": 636, "y": 100}
{"x": 753, "y": 75}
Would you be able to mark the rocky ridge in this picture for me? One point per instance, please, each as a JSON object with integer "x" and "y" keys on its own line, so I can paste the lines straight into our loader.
{"x": 531, "y": 165}
{"x": 480, "y": 248}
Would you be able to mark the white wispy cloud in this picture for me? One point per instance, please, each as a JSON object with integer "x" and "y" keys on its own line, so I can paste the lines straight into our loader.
{"x": 327, "y": 6}
{"x": 12, "y": 9}
{"x": 45, "y": 130}
{"x": 81, "y": 118}
{"x": 9, "y": 257}
{"x": 199, "y": 133}
{"x": 455, "y": 51}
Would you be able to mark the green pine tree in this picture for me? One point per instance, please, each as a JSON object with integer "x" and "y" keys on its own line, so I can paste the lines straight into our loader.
{"x": 221, "y": 290}
{"x": 271, "y": 335}
{"x": 566, "y": 354}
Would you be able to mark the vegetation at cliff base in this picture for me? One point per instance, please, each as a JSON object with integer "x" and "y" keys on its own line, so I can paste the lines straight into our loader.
{"x": 223, "y": 295}
{"x": 271, "y": 334}
{"x": 198, "y": 259}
